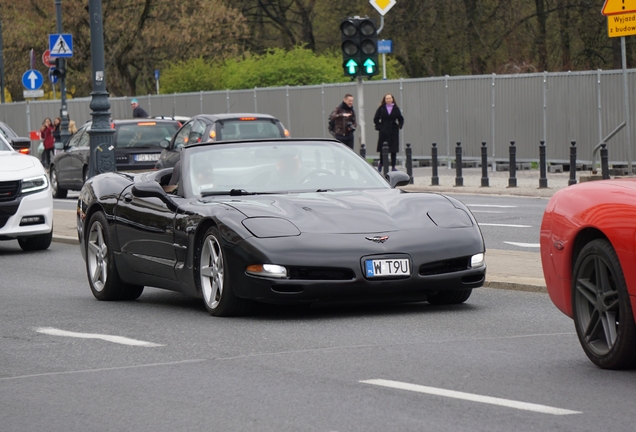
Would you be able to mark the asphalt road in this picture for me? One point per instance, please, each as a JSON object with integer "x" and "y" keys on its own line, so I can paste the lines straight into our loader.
{"x": 505, "y": 360}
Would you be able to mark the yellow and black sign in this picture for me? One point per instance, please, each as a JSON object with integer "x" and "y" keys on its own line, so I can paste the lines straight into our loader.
{"x": 613, "y": 7}
{"x": 621, "y": 25}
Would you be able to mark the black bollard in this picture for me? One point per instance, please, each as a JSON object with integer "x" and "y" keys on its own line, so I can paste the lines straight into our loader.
{"x": 484, "y": 165}
{"x": 543, "y": 179}
{"x": 604, "y": 162}
{"x": 512, "y": 181}
{"x": 434, "y": 178}
{"x": 409, "y": 162}
{"x": 385, "y": 158}
{"x": 572, "y": 179}
{"x": 459, "y": 180}
{"x": 363, "y": 151}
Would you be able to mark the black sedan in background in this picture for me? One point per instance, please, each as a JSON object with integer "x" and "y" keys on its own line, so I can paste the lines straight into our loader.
{"x": 136, "y": 149}
{"x": 220, "y": 127}
{"x": 276, "y": 221}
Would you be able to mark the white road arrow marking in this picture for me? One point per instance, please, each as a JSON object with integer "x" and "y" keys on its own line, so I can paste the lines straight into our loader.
{"x": 526, "y": 245}
{"x": 544, "y": 409}
{"x": 108, "y": 338}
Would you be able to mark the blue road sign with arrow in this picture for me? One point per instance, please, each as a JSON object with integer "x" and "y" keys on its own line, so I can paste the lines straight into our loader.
{"x": 32, "y": 79}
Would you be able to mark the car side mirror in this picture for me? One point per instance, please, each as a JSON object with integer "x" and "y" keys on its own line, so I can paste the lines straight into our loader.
{"x": 398, "y": 178}
{"x": 164, "y": 144}
{"x": 152, "y": 189}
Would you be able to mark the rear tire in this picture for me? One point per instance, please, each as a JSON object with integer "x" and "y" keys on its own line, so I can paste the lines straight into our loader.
{"x": 101, "y": 270}
{"x": 450, "y": 297}
{"x": 58, "y": 192}
{"x": 602, "y": 311}
{"x": 212, "y": 278}
{"x": 35, "y": 243}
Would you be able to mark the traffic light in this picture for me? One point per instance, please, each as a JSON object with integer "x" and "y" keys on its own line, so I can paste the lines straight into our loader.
{"x": 60, "y": 69}
{"x": 359, "y": 47}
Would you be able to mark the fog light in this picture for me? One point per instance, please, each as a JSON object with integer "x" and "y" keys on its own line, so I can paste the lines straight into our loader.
{"x": 31, "y": 220}
{"x": 477, "y": 260}
{"x": 267, "y": 270}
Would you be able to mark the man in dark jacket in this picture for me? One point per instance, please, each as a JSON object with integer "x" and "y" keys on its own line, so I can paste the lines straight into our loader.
{"x": 138, "y": 112}
{"x": 344, "y": 121}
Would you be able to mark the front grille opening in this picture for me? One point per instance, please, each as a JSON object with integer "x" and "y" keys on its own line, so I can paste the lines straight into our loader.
{"x": 320, "y": 273}
{"x": 31, "y": 220}
{"x": 9, "y": 190}
{"x": 446, "y": 266}
{"x": 287, "y": 289}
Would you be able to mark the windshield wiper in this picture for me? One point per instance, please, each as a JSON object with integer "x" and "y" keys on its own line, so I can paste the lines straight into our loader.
{"x": 231, "y": 192}
{"x": 324, "y": 190}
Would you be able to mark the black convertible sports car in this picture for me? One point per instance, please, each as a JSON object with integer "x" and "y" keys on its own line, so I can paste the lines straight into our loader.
{"x": 276, "y": 221}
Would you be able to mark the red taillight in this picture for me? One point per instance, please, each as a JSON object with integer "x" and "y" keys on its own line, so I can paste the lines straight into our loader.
{"x": 25, "y": 151}
{"x": 247, "y": 118}
{"x": 286, "y": 133}
{"x": 146, "y": 124}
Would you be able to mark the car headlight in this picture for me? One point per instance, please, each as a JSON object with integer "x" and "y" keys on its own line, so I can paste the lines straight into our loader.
{"x": 477, "y": 260}
{"x": 34, "y": 184}
{"x": 267, "y": 270}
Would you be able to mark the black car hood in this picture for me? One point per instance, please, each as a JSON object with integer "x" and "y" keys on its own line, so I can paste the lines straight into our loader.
{"x": 355, "y": 211}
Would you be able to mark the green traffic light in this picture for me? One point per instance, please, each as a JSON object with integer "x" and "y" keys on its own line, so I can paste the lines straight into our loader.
{"x": 369, "y": 65}
{"x": 351, "y": 67}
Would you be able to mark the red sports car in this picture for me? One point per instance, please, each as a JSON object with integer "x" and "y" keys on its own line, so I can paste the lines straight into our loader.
{"x": 588, "y": 252}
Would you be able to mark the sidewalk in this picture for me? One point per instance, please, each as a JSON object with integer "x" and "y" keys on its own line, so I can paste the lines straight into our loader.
{"x": 506, "y": 269}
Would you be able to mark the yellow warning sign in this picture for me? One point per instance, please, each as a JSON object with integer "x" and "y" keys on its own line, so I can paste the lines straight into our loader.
{"x": 383, "y": 6}
{"x": 614, "y": 7}
{"x": 621, "y": 25}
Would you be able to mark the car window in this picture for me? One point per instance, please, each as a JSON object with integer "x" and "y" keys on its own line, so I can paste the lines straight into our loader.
{"x": 85, "y": 139}
{"x": 196, "y": 133}
{"x": 182, "y": 136}
{"x": 248, "y": 129}
{"x": 74, "y": 140}
{"x": 4, "y": 145}
{"x": 143, "y": 134}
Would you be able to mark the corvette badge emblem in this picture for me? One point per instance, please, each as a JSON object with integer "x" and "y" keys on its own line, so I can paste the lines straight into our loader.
{"x": 378, "y": 239}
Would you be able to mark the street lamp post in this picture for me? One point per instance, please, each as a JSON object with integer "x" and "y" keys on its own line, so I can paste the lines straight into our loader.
{"x": 102, "y": 157}
{"x": 64, "y": 133}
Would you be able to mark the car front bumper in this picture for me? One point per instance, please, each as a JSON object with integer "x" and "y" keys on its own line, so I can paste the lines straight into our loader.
{"x": 15, "y": 213}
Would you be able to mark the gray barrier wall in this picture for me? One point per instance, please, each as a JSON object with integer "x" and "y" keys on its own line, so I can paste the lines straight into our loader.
{"x": 496, "y": 109}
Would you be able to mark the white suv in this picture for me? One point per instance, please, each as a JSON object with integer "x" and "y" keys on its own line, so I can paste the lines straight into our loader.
{"x": 26, "y": 202}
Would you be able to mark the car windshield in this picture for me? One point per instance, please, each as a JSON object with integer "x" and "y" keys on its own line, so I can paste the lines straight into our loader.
{"x": 144, "y": 134}
{"x": 277, "y": 167}
{"x": 248, "y": 128}
{"x": 4, "y": 145}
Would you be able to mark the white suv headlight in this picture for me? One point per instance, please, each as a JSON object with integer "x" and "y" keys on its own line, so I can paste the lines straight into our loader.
{"x": 34, "y": 184}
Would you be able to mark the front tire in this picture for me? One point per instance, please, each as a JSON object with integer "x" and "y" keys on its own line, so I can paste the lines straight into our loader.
{"x": 58, "y": 192}
{"x": 213, "y": 280}
{"x": 450, "y": 297}
{"x": 35, "y": 243}
{"x": 603, "y": 316}
{"x": 101, "y": 270}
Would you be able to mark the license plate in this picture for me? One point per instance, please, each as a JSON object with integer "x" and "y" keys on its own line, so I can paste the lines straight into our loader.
{"x": 388, "y": 267}
{"x": 149, "y": 157}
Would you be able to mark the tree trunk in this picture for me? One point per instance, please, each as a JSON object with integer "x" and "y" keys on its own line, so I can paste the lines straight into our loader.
{"x": 541, "y": 40}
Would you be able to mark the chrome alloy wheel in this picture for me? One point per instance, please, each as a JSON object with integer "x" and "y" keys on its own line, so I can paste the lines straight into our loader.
{"x": 211, "y": 271}
{"x": 97, "y": 256}
{"x": 597, "y": 304}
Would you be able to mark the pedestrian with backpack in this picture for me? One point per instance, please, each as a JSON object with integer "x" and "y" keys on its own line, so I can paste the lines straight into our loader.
{"x": 342, "y": 121}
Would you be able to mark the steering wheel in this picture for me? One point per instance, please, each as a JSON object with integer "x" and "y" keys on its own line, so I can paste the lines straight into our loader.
{"x": 314, "y": 173}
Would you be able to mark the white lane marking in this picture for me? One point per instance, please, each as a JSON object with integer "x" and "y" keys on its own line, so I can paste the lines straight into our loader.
{"x": 526, "y": 245}
{"x": 505, "y": 225}
{"x": 471, "y": 397}
{"x": 491, "y": 205}
{"x": 486, "y": 211}
{"x": 108, "y": 338}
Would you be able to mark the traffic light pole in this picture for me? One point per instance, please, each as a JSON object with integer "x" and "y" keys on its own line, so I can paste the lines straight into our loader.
{"x": 360, "y": 99}
{"x": 64, "y": 133}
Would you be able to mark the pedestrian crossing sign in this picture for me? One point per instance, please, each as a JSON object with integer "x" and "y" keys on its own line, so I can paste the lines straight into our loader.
{"x": 61, "y": 45}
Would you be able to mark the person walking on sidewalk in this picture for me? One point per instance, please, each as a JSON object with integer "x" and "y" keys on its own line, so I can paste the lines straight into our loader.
{"x": 388, "y": 122}
{"x": 138, "y": 112}
{"x": 48, "y": 141}
{"x": 343, "y": 120}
